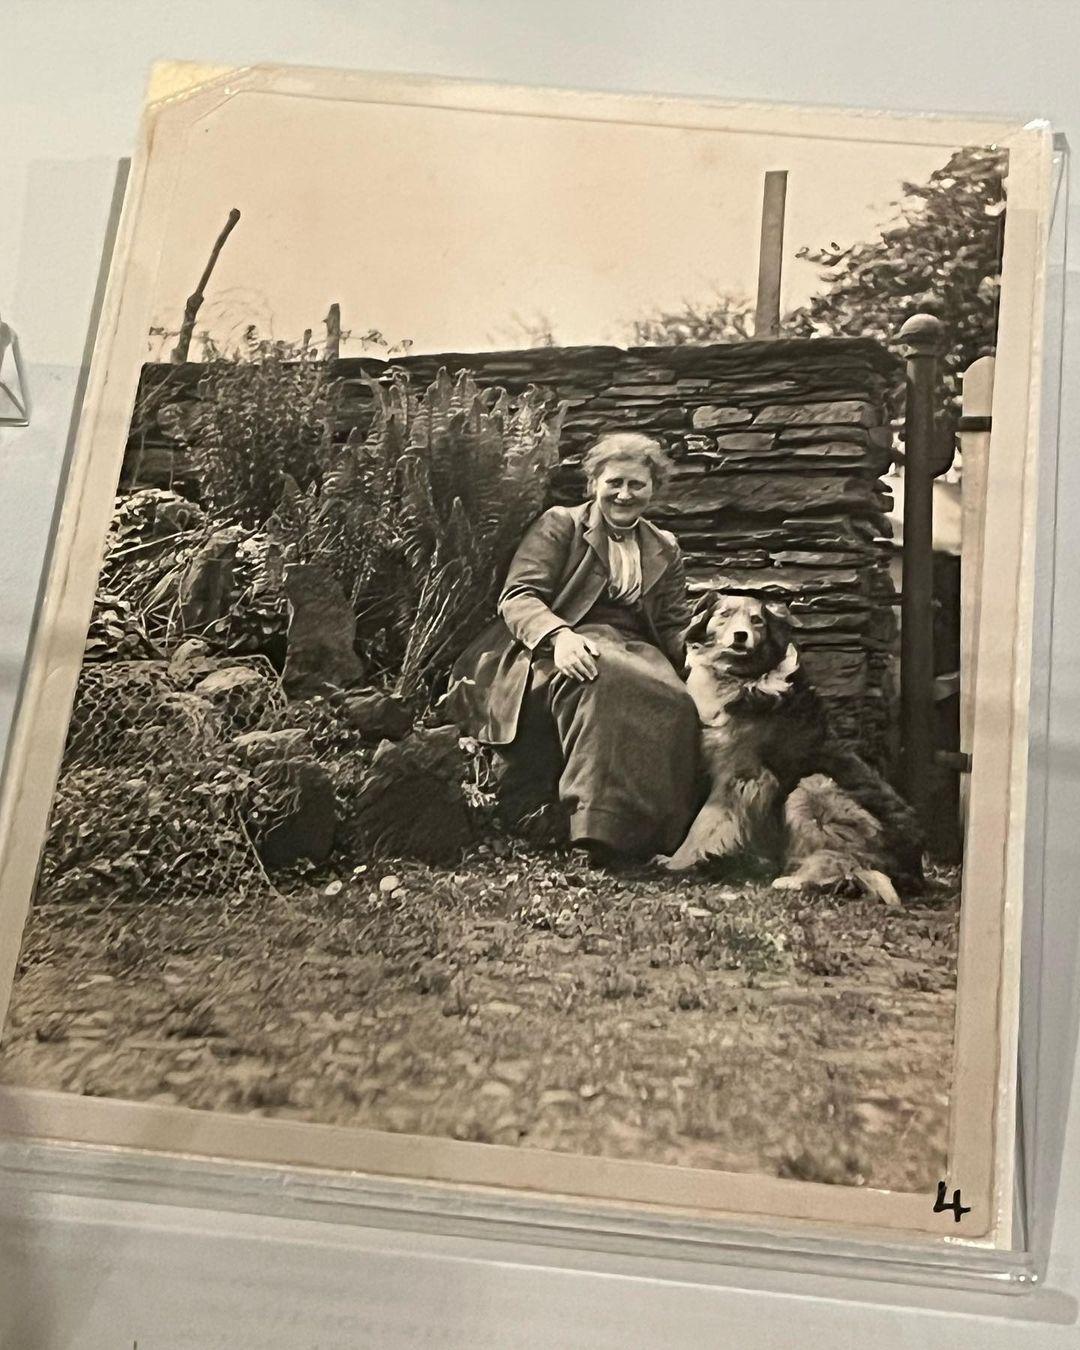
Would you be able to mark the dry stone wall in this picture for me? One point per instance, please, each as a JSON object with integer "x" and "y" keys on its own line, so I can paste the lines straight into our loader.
{"x": 779, "y": 449}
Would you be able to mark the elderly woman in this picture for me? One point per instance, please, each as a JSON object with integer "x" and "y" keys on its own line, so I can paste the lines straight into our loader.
{"x": 579, "y": 683}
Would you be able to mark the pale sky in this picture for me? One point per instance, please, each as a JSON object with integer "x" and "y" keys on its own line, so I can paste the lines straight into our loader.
{"x": 441, "y": 226}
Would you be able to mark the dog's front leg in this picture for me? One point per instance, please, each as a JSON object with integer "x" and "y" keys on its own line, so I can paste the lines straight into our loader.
{"x": 716, "y": 833}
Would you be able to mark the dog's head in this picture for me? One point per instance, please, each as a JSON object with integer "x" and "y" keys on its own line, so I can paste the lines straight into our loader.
{"x": 740, "y": 634}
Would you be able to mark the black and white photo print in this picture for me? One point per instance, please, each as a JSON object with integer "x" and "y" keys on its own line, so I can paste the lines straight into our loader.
{"x": 506, "y": 683}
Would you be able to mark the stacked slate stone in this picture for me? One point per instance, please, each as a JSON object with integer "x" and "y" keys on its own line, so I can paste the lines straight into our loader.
{"x": 779, "y": 449}
{"x": 777, "y": 493}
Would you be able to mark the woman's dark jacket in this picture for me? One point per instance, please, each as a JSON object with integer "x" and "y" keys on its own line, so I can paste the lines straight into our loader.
{"x": 558, "y": 574}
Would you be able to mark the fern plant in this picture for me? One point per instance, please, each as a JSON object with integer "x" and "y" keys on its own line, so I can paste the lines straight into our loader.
{"x": 418, "y": 518}
{"x": 475, "y": 472}
{"x": 262, "y": 416}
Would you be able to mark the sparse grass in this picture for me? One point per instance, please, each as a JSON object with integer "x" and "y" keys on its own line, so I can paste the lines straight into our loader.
{"x": 522, "y": 998}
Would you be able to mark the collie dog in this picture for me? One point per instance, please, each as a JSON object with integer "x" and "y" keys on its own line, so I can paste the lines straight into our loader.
{"x": 779, "y": 787}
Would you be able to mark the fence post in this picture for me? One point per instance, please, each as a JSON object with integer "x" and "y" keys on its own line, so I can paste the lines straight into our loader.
{"x": 333, "y": 332}
{"x": 771, "y": 255}
{"x": 978, "y": 393}
{"x": 924, "y": 337}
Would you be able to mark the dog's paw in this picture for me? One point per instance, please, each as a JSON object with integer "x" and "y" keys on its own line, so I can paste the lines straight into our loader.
{"x": 789, "y": 883}
{"x": 878, "y": 885}
{"x": 672, "y": 862}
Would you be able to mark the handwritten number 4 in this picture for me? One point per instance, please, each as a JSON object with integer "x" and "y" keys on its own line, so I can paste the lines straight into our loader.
{"x": 958, "y": 1210}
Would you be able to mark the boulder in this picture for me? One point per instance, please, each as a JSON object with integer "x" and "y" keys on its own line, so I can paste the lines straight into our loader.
{"x": 410, "y": 803}
{"x": 307, "y": 830}
{"x": 376, "y": 716}
{"x": 322, "y": 630}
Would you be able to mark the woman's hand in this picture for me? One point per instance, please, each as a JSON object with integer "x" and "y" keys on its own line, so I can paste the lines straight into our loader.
{"x": 575, "y": 655}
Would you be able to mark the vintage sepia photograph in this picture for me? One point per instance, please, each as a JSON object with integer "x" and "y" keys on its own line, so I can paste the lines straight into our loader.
{"x": 514, "y": 637}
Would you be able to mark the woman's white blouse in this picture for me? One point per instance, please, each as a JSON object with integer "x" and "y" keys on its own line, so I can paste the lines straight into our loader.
{"x": 624, "y": 565}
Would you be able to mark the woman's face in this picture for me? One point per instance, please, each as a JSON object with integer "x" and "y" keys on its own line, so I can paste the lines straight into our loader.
{"x": 623, "y": 488}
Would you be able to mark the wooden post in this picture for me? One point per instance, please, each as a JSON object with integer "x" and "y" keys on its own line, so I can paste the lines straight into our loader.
{"x": 978, "y": 393}
{"x": 771, "y": 255}
{"x": 333, "y": 332}
{"x": 924, "y": 335}
{"x": 195, "y": 299}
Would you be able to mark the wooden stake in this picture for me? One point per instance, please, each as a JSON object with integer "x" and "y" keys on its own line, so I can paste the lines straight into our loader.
{"x": 333, "y": 332}
{"x": 771, "y": 255}
{"x": 195, "y": 299}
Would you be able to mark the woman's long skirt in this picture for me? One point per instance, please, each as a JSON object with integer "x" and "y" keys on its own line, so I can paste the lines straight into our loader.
{"x": 620, "y": 752}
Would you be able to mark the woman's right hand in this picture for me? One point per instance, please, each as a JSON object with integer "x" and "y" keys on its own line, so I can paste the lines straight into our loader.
{"x": 575, "y": 655}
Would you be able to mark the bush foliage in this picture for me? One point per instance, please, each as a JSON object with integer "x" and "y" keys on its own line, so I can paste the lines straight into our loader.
{"x": 941, "y": 255}
{"x": 415, "y": 514}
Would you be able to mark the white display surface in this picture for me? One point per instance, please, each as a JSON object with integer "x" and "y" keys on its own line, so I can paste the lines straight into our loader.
{"x": 78, "y": 1272}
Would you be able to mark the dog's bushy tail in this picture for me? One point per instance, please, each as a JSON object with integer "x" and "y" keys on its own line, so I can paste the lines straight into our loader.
{"x": 902, "y": 834}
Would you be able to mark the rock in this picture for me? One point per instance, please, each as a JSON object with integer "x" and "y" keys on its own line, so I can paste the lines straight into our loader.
{"x": 841, "y": 412}
{"x": 206, "y": 591}
{"x": 322, "y": 630}
{"x": 221, "y": 684}
{"x": 744, "y": 440}
{"x": 817, "y": 558}
{"x": 334, "y": 888}
{"x": 389, "y": 884}
{"x": 191, "y": 660}
{"x": 768, "y": 493}
{"x": 308, "y": 829}
{"x": 410, "y": 802}
{"x": 259, "y": 747}
{"x": 709, "y": 416}
{"x": 240, "y": 695}
{"x": 836, "y": 673}
{"x": 235, "y": 698}
{"x": 376, "y": 716}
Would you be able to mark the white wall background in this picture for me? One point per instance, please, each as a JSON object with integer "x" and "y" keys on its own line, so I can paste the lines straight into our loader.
{"x": 77, "y": 1273}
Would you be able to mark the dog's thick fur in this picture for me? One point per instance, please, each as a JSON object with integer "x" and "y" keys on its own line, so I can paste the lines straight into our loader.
{"x": 779, "y": 786}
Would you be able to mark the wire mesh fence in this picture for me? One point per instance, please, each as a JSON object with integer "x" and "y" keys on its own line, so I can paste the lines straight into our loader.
{"x": 181, "y": 782}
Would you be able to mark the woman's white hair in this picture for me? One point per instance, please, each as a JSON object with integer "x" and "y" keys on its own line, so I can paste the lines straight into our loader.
{"x": 628, "y": 445}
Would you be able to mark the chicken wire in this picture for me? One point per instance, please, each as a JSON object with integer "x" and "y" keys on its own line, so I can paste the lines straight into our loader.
{"x": 157, "y": 800}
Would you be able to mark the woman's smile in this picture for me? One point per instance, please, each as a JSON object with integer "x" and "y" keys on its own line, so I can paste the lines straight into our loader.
{"x": 624, "y": 488}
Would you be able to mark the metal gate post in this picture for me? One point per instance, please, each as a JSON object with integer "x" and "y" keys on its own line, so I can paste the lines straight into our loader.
{"x": 924, "y": 336}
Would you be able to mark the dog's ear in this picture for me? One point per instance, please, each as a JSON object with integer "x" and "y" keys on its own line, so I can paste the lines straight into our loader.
{"x": 699, "y": 622}
{"x": 778, "y": 621}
